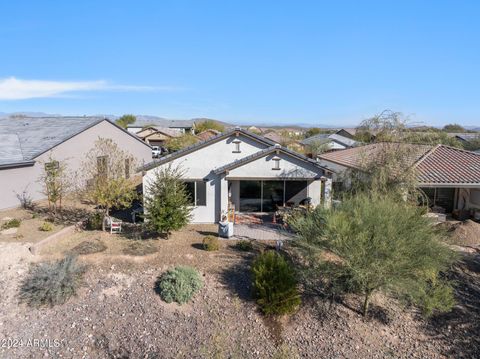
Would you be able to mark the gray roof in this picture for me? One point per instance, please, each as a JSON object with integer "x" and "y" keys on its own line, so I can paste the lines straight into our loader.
{"x": 39, "y": 134}
{"x": 205, "y": 143}
{"x": 24, "y": 139}
{"x": 143, "y": 121}
{"x": 466, "y": 136}
{"x": 326, "y": 138}
{"x": 263, "y": 153}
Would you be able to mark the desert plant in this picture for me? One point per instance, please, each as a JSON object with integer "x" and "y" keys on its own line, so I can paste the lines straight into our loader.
{"x": 179, "y": 284}
{"x": 177, "y": 143}
{"x": 275, "y": 284}
{"x": 88, "y": 247}
{"x": 49, "y": 284}
{"x": 94, "y": 221}
{"x": 25, "y": 199}
{"x": 167, "y": 203}
{"x": 209, "y": 125}
{"x": 125, "y": 120}
{"x": 375, "y": 242}
{"x": 12, "y": 223}
{"x": 46, "y": 227}
{"x": 105, "y": 177}
{"x": 56, "y": 182}
{"x": 211, "y": 243}
{"x": 244, "y": 245}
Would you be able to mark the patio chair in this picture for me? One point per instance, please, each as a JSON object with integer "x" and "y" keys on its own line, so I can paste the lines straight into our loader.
{"x": 114, "y": 224}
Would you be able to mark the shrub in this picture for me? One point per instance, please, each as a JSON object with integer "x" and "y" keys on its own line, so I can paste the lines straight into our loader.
{"x": 211, "y": 243}
{"x": 88, "y": 247}
{"x": 244, "y": 245}
{"x": 13, "y": 223}
{"x": 49, "y": 284}
{"x": 46, "y": 227}
{"x": 94, "y": 221}
{"x": 179, "y": 284}
{"x": 275, "y": 284}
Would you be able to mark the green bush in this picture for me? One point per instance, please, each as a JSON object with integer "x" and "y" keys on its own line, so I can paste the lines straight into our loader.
{"x": 94, "y": 221}
{"x": 179, "y": 284}
{"x": 275, "y": 284}
{"x": 244, "y": 245}
{"x": 49, "y": 284}
{"x": 46, "y": 227}
{"x": 13, "y": 223}
{"x": 211, "y": 243}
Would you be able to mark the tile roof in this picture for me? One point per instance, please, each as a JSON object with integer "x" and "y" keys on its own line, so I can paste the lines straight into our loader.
{"x": 449, "y": 165}
{"x": 319, "y": 138}
{"x": 343, "y": 140}
{"x": 326, "y": 138}
{"x": 10, "y": 149}
{"x": 435, "y": 165}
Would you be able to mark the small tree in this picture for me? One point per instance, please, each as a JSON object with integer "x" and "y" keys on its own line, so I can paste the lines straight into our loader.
{"x": 455, "y": 128}
{"x": 126, "y": 120}
{"x": 376, "y": 243}
{"x": 177, "y": 143}
{"x": 209, "y": 125}
{"x": 275, "y": 284}
{"x": 106, "y": 177}
{"x": 166, "y": 202}
{"x": 56, "y": 183}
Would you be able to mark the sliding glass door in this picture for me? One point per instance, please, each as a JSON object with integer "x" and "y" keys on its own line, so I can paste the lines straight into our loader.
{"x": 267, "y": 196}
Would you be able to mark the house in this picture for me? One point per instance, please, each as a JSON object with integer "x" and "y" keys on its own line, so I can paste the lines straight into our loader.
{"x": 332, "y": 141}
{"x": 466, "y": 139}
{"x": 27, "y": 144}
{"x": 184, "y": 126}
{"x": 243, "y": 172}
{"x": 207, "y": 134}
{"x": 450, "y": 177}
{"x": 347, "y": 132}
{"x": 157, "y": 136}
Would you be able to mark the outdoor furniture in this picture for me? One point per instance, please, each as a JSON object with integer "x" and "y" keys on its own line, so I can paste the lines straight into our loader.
{"x": 114, "y": 224}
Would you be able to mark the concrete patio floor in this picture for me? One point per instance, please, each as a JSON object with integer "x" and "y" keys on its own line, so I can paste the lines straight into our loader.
{"x": 265, "y": 232}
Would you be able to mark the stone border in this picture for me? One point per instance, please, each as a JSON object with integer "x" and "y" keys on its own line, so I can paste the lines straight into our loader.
{"x": 35, "y": 248}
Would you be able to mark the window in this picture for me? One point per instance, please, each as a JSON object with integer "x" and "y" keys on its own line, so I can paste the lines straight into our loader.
{"x": 102, "y": 166}
{"x": 127, "y": 167}
{"x": 197, "y": 192}
{"x": 236, "y": 143}
{"x": 276, "y": 163}
{"x": 52, "y": 166}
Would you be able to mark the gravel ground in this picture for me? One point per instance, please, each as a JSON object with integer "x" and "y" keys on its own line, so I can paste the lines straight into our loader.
{"x": 117, "y": 314}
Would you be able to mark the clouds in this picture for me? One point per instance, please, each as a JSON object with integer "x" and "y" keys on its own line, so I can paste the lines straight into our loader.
{"x": 12, "y": 88}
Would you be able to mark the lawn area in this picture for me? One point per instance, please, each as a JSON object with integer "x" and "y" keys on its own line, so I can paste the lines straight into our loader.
{"x": 118, "y": 314}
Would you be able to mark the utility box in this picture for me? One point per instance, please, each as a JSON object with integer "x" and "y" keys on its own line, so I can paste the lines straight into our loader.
{"x": 225, "y": 229}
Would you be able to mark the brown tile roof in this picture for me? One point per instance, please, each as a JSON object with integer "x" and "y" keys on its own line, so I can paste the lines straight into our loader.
{"x": 449, "y": 165}
{"x": 435, "y": 165}
{"x": 355, "y": 157}
{"x": 207, "y": 134}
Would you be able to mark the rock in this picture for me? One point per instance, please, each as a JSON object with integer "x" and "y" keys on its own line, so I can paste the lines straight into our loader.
{"x": 9, "y": 231}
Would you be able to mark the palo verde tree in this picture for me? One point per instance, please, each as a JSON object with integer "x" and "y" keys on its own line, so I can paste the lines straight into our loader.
{"x": 374, "y": 242}
{"x": 209, "y": 125}
{"x": 126, "y": 120}
{"x": 166, "y": 201}
{"x": 56, "y": 183}
{"x": 106, "y": 176}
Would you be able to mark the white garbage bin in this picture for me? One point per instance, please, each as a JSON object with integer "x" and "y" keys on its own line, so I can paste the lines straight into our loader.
{"x": 225, "y": 229}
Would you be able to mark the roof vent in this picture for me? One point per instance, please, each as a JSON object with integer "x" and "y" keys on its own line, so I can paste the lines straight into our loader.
{"x": 237, "y": 128}
{"x": 277, "y": 145}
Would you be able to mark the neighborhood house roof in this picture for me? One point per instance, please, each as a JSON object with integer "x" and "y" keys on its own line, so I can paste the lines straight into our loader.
{"x": 143, "y": 121}
{"x": 24, "y": 139}
{"x": 435, "y": 165}
{"x": 322, "y": 138}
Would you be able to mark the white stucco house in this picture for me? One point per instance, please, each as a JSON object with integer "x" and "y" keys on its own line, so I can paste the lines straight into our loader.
{"x": 238, "y": 170}
{"x": 27, "y": 144}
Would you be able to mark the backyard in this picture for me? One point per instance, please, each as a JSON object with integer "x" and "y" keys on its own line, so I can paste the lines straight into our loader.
{"x": 118, "y": 313}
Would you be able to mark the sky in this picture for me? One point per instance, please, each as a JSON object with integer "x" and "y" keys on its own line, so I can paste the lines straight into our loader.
{"x": 264, "y": 62}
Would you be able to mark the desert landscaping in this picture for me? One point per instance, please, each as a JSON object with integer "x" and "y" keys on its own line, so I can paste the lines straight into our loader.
{"x": 117, "y": 313}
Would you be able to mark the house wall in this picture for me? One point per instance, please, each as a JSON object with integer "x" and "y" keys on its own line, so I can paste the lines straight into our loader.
{"x": 72, "y": 152}
{"x": 199, "y": 164}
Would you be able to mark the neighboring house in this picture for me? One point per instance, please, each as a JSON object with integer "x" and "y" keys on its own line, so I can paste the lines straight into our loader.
{"x": 207, "y": 134}
{"x": 465, "y": 138}
{"x": 184, "y": 126}
{"x": 449, "y": 176}
{"x": 347, "y": 132}
{"x": 26, "y": 144}
{"x": 333, "y": 142}
{"x": 285, "y": 141}
{"x": 243, "y": 171}
{"x": 157, "y": 136}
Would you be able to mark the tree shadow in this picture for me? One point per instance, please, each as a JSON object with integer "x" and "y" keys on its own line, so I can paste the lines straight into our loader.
{"x": 237, "y": 278}
{"x": 198, "y": 246}
{"x": 208, "y": 233}
{"x": 459, "y": 330}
